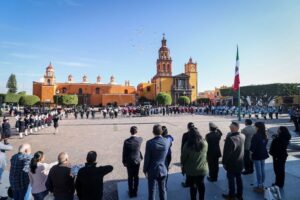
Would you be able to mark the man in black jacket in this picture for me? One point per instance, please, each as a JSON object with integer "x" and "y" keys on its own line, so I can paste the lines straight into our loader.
{"x": 89, "y": 181}
{"x": 185, "y": 137}
{"x": 132, "y": 157}
{"x": 233, "y": 160}
{"x": 59, "y": 181}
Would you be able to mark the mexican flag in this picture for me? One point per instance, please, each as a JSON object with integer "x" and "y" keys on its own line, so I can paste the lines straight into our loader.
{"x": 236, "y": 84}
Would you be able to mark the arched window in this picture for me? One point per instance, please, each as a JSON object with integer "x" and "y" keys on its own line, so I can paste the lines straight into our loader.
{"x": 164, "y": 67}
{"x": 80, "y": 91}
{"x": 97, "y": 90}
{"x": 168, "y": 68}
{"x": 148, "y": 88}
{"x": 48, "y": 82}
{"x": 64, "y": 90}
{"x": 126, "y": 91}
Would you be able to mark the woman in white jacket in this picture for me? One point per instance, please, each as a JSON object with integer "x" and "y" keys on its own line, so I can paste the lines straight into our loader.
{"x": 38, "y": 175}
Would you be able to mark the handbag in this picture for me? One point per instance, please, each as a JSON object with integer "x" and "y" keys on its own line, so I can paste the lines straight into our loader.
{"x": 272, "y": 193}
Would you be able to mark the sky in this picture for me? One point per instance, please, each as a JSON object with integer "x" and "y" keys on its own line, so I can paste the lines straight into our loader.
{"x": 122, "y": 38}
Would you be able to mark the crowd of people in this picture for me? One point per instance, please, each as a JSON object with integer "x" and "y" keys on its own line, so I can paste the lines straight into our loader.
{"x": 244, "y": 153}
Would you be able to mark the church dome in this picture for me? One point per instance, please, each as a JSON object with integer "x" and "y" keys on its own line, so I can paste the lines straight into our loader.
{"x": 50, "y": 68}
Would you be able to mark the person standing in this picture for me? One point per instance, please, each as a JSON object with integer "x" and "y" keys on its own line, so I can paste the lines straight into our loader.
{"x": 6, "y": 132}
{"x": 89, "y": 181}
{"x": 184, "y": 139}
{"x": 214, "y": 152}
{"x": 248, "y": 131}
{"x": 278, "y": 151}
{"x": 131, "y": 159}
{"x": 22, "y": 127}
{"x": 55, "y": 123}
{"x": 3, "y": 159}
{"x": 38, "y": 175}
{"x": 59, "y": 180}
{"x": 233, "y": 155}
{"x": 259, "y": 153}
{"x": 18, "y": 174}
{"x": 154, "y": 165}
{"x": 194, "y": 161}
{"x": 165, "y": 134}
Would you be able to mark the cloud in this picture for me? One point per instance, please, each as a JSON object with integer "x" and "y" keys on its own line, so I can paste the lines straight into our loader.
{"x": 72, "y": 64}
{"x": 21, "y": 55}
{"x": 5, "y": 63}
{"x": 8, "y": 44}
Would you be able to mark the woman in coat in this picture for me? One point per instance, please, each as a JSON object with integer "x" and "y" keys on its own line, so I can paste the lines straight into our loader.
{"x": 194, "y": 163}
{"x": 259, "y": 152}
{"x": 278, "y": 151}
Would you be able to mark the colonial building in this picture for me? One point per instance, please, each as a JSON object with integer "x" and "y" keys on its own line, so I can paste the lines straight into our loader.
{"x": 95, "y": 94}
{"x": 185, "y": 84}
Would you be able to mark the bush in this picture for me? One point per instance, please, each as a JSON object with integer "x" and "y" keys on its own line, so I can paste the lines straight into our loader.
{"x": 184, "y": 100}
{"x": 29, "y": 100}
{"x": 12, "y": 98}
{"x": 69, "y": 100}
{"x": 164, "y": 99}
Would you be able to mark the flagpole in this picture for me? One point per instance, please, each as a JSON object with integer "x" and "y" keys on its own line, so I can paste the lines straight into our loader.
{"x": 239, "y": 104}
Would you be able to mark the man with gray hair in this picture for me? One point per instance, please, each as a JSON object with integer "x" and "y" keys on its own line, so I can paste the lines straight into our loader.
{"x": 59, "y": 181}
{"x": 19, "y": 168}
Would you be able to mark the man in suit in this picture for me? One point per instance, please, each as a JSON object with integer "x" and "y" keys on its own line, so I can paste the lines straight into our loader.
{"x": 154, "y": 164}
{"x": 132, "y": 158}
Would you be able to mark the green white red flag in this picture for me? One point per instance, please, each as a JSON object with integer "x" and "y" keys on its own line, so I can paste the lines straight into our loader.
{"x": 236, "y": 84}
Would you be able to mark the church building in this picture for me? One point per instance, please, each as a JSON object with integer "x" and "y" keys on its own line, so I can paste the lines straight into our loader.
{"x": 88, "y": 93}
{"x": 184, "y": 84}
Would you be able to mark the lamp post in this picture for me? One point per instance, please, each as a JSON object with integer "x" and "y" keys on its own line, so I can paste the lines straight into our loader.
{"x": 56, "y": 97}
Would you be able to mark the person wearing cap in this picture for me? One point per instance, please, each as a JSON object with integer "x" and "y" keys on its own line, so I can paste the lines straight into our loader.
{"x": 131, "y": 159}
{"x": 154, "y": 165}
{"x": 233, "y": 159}
{"x": 214, "y": 152}
{"x": 248, "y": 131}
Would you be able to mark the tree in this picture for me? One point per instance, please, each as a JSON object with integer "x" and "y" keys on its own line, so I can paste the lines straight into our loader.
{"x": 12, "y": 84}
{"x": 29, "y": 100}
{"x": 164, "y": 99}
{"x": 12, "y": 98}
{"x": 184, "y": 100}
{"x": 262, "y": 93}
{"x": 2, "y": 99}
{"x": 69, "y": 100}
{"x": 203, "y": 100}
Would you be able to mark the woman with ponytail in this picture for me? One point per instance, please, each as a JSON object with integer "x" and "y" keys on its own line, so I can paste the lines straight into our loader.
{"x": 38, "y": 175}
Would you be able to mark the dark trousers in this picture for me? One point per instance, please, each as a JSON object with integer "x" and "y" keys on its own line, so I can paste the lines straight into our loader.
{"x": 196, "y": 183}
{"x": 248, "y": 164}
{"x": 152, "y": 182}
{"x": 133, "y": 178}
{"x": 213, "y": 166}
{"x": 279, "y": 169}
{"x": 235, "y": 179}
{"x": 19, "y": 194}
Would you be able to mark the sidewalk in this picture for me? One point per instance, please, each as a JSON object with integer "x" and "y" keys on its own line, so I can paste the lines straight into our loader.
{"x": 214, "y": 190}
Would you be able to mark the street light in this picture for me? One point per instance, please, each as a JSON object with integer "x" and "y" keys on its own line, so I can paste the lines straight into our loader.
{"x": 57, "y": 92}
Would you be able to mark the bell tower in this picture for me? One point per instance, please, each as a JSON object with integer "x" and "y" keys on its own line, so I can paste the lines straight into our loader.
{"x": 49, "y": 78}
{"x": 190, "y": 69}
{"x": 164, "y": 61}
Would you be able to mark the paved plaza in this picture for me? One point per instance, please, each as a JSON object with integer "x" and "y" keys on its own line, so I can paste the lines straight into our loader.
{"x": 106, "y": 136}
